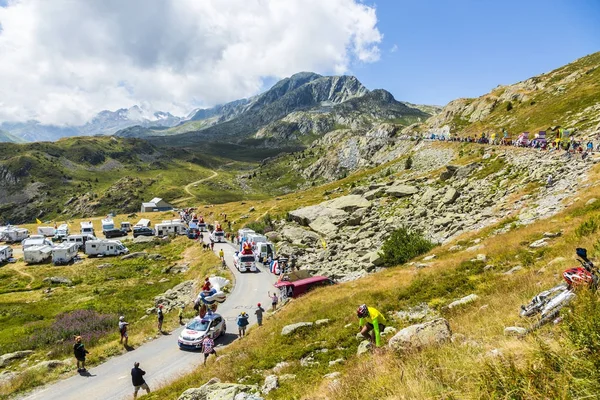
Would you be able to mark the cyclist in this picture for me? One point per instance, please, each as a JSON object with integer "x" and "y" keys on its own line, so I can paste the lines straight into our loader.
{"x": 371, "y": 322}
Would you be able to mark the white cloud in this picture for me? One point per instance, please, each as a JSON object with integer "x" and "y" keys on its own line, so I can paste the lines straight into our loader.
{"x": 62, "y": 61}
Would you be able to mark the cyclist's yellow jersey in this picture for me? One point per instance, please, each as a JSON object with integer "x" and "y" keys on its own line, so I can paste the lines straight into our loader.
{"x": 375, "y": 318}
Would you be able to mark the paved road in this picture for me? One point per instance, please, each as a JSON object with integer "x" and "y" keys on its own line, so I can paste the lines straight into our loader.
{"x": 161, "y": 358}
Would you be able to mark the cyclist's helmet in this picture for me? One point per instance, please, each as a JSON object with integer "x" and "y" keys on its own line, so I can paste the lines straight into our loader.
{"x": 362, "y": 311}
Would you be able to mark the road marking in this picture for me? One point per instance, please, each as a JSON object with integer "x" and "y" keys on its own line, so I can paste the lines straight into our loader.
{"x": 122, "y": 377}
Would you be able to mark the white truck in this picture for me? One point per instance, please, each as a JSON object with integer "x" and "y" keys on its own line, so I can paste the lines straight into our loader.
{"x": 100, "y": 247}
{"x": 64, "y": 253}
{"x": 45, "y": 230}
{"x": 87, "y": 228}
{"x": 244, "y": 262}
{"x": 6, "y": 253}
{"x": 174, "y": 227}
{"x": 35, "y": 240}
{"x": 243, "y": 234}
{"x": 262, "y": 251}
{"x": 37, "y": 254}
{"x": 80, "y": 240}
{"x": 14, "y": 235}
{"x": 217, "y": 236}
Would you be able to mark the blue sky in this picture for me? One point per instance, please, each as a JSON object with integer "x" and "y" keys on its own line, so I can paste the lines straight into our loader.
{"x": 463, "y": 48}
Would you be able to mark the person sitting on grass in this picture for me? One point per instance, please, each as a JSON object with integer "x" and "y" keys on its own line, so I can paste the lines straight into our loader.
{"x": 372, "y": 323}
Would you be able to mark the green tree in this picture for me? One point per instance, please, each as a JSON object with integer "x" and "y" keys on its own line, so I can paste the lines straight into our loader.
{"x": 403, "y": 245}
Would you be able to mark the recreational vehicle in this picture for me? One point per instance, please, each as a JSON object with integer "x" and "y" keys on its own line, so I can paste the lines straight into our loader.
{"x": 126, "y": 226}
{"x": 80, "y": 240}
{"x": 45, "y": 230}
{"x": 105, "y": 248}
{"x": 36, "y": 240}
{"x": 174, "y": 227}
{"x": 37, "y": 254}
{"x": 243, "y": 234}
{"x": 255, "y": 238}
{"x": 61, "y": 233}
{"x": 108, "y": 224}
{"x": 14, "y": 235}
{"x": 64, "y": 253}
{"x": 143, "y": 222}
{"x": 5, "y": 253}
{"x": 87, "y": 228}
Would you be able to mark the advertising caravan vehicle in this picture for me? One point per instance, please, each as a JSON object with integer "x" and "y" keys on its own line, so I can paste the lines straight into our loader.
{"x": 255, "y": 238}
{"x": 6, "y": 253}
{"x": 37, "y": 254}
{"x": 80, "y": 240}
{"x": 61, "y": 233}
{"x": 174, "y": 227}
{"x": 105, "y": 248}
{"x": 264, "y": 250}
{"x": 302, "y": 286}
{"x": 218, "y": 236}
{"x": 243, "y": 234}
{"x": 87, "y": 228}
{"x": 245, "y": 260}
{"x": 64, "y": 253}
{"x": 36, "y": 240}
{"x": 212, "y": 324}
{"x": 201, "y": 225}
{"x": 15, "y": 235}
{"x": 45, "y": 230}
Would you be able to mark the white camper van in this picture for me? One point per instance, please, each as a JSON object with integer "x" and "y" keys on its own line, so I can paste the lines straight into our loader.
{"x": 108, "y": 224}
{"x": 263, "y": 250}
{"x": 14, "y": 235}
{"x": 5, "y": 253}
{"x": 243, "y": 233}
{"x": 80, "y": 240}
{"x": 87, "y": 228}
{"x": 64, "y": 253}
{"x": 126, "y": 226}
{"x": 45, "y": 230}
{"x": 256, "y": 238}
{"x": 35, "y": 240}
{"x": 174, "y": 227}
{"x": 217, "y": 236}
{"x": 37, "y": 254}
{"x": 143, "y": 222}
{"x": 105, "y": 248}
{"x": 61, "y": 233}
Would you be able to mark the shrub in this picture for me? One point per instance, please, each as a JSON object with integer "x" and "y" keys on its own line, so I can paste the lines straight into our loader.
{"x": 587, "y": 228}
{"x": 404, "y": 245}
{"x": 408, "y": 163}
{"x": 509, "y": 106}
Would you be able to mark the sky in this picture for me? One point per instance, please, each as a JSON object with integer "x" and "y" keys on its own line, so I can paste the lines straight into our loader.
{"x": 63, "y": 61}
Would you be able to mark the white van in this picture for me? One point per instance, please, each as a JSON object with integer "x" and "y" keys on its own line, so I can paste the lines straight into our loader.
{"x": 45, "y": 230}
{"x": 64, "y": 253}
{"x": 174, "y": 227}
{"x": 105, "y": 248}
{"x": 13, "y": 235}
{"x": 143, "y": 222}
{"x": 108, "y": 224}
{"x": 218, "y": 236}
{"x": 263, "y": 250}
{"x": 126, "y": 226}
{"x": 80, "y": 240}
{"x": 244, "y": 262}
{"x": 35, "y": 240}
{"x": 87, "y": 228}
{"x": 243, "y": 233}
{"x": 255, "y": 238}
{"x": 37, "y": 254}
{"x": 61, "y": 232}
{"x": 5, "y": 253}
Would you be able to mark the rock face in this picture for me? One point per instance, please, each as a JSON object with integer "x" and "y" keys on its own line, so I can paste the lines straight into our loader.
{"x": 401, "y": 190}
{"x": 421, "y": 335}
{"x": 221, "y": 391}
{"x": 6, "y": 359}
{"x": 176, "y": 297}
{"x": 271, "y": 383}
{"x": 305, "y": 216}
{"x": 289, "y": 329}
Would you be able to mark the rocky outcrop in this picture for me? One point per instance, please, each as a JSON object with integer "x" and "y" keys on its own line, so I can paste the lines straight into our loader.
{"x": 174, "y": 298}
{"x": 215, "y": 389}
{"x": 6, "y": 359}
{"x": 421, "y": 335}
{"x": 290, "y": 329}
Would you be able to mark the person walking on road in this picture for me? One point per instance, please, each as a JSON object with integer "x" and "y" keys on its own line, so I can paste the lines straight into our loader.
{"x": 259, "y": 314}
{"x": 181, "y": 314}
{"x": 242, "y": 323}
{"x": 137, "y": 378}
{"x": 123, "y": 330}
{"x": 161, "y": 317}
{"x": 208, "y": 347}
{"x": 274, "y": 300}
{"x": 80, "y": 352}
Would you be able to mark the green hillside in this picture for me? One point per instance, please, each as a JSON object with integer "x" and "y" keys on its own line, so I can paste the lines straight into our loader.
{"x": 7, "y": 137}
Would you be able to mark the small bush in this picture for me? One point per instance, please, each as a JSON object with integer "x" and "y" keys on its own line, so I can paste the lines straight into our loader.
{"x": 587, "y": 228}
{"x": 404, "y": 245}
{"x": 408, "y": 163}
{"x": 509, "y": 106}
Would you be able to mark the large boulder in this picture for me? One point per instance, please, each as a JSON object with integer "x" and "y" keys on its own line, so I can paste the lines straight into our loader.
{"x": 306, "y": 215}
{"x": 289, "y": 329}
{"x": 401, "y": 190}
{"x": 450, "y": 196}
{"x": 324, "y": 226}
{"x": 348, "y": 203}
{"x": 465, "y": 300}
{"x": 221, "y": 391}
{"x": 6, "y": 359}
{"x": 271, "y": 383}
{"x": 60, "y": 280}
{"x": 297, "y": 235}
{"x": 421, "y": 335}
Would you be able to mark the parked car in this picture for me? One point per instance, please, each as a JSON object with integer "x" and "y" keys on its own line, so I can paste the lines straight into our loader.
{"x": 193, "y": 233}
{"x": 211, "y": 324}
{"x": 112, "y": 233}
{"x": 142, "y": 231}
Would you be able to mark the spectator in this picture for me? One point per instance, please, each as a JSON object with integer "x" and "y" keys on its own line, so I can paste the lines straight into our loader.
{"x": 274, "y": 300}
{"x": 259, "y": 314}
{"x": 80, "y": 353}
{"x": 181, "y": 314}
{"x": 208, "y": 347}
{"x": 123, "y": 330}
{"x": 137, "y": 378}
{"x": 242, "y": 323}
{"x": 161, "y": 317}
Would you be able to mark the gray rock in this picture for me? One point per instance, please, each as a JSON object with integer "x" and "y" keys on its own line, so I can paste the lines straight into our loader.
{"x": 552, "y": 234}
{"x": 297, "y": 235}
{"x": 401, "y": 190}
{"x": 332, "y": 375}
{"x": 306, "y": 215}
{"x": 280, "y": 366}
{"x": 348, "y": 203}
{"x": 143, "y": 239}
{"x": 421, "y": 335}
{"x": 429, "y": 258}
{"x": 289, "y": 329}
{"x": 50, "y": 364}
{"x": 449, "y": 173}
{"x": 271, "y": 383}
{"x": 450, "y": 196}
{"x": 419, "y": 312}
{"x": 389, "y": 330}
{"x": 287, "y": 377}
{"x": 177, "y": 268}
{"x": 221, "y": 391}
{"x": 6, "y": 377}
{"x": 513, "y": 270}
{"x": 335, "y": 362}
{"x": 481, "y": 257}
{"x": 514, "y": 331}
{"x": 324, "y": 226}
{"x": 375, "y": 258}
{"x": 465, "y": 300}
{"x": 58, "y": 280}
{"x": 373, "y": 194}
{"x": 321, "y": 322}
{"x": 539, "y": 243}
{"x": 364, "y": 347}
{"x": 137, "y": 254}
{"x": 6, "y": 359}
{"x": 591, "y": 201}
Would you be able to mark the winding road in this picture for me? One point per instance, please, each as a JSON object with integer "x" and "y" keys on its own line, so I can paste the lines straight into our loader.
{"x": 161, "y": 358}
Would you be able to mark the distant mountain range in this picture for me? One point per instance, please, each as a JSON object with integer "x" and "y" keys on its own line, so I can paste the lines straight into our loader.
{"x": 104, "y": 123}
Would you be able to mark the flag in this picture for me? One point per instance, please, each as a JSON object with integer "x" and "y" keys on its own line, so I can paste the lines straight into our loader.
{"x": 38, "y": 221}
{"x": 323, "y": 243}
{"x": 274, "y": 266}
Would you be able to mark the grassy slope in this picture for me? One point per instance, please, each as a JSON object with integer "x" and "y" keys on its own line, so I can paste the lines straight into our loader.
{"x": 6, "y": 137}
{"x": 455, "y": 370}
{"x": 544, "y": 108}
{"x": 128, "y": 287}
